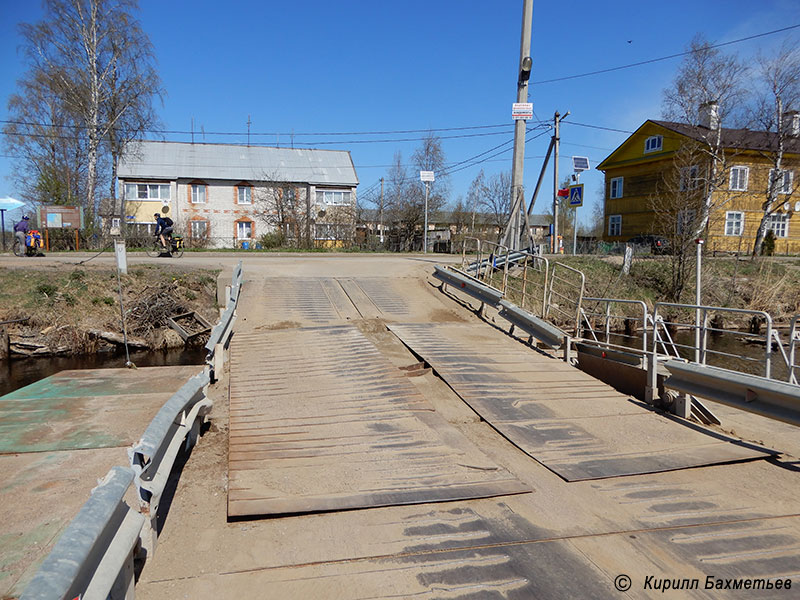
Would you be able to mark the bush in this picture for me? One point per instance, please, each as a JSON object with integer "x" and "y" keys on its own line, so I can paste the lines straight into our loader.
{"x": 46, "y": 289}
{"x": 272, "y": 240}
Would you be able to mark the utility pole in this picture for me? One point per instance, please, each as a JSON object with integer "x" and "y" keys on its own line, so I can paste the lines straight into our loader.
{"x": 557, "y": 118}
{"x": 381, "y": 224}
{"x": 518, "y": 165}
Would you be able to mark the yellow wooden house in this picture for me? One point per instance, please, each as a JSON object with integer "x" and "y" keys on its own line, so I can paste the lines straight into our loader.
{"x": 656, "y": 177}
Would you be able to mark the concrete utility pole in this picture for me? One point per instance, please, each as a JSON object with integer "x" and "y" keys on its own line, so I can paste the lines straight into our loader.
{"x": 556, "y": 139}
{"x": 520, "y": 125}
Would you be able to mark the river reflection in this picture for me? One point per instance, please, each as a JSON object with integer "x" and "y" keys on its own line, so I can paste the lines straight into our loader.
{"x": 18, "y": 373}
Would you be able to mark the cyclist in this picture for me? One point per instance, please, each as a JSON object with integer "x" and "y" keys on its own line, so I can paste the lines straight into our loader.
{"x": 21, "y": 232}
{"x": 164, "y": 227}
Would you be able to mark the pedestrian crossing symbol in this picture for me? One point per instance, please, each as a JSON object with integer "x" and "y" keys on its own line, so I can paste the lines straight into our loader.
{"x": 576, "y": 195}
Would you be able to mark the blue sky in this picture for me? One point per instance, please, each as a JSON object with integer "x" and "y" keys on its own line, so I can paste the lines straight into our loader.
{"x": 355, "y": 67}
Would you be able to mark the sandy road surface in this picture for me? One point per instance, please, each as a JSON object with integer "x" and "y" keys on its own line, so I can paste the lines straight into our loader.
{"x": 559, "y": 540}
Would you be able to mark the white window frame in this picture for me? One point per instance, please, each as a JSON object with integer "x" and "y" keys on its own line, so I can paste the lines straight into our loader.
{"x": 115, "y": 222}
{"x": 194, "y": 225}
{"x": 247, "y": 192}
{"x": 689, "y": 179}
{"x": 653, "y": 144}
{"x": 240, "y": 226}
{"x": 615, "y": 225}
{"x": 740, "y": 178}
{"x": 334, "y": 197}
{"x": 779, "y": 224}
{"x": 786, "y": 181}
{"x": 198, "y": 190}
{"x": 734, "y": 222}
{"x": 615, "y": 187}
{"x": 144, "y": 192}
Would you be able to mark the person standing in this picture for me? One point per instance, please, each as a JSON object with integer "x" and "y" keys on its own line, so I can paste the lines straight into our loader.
{"x": 21, "y": 232}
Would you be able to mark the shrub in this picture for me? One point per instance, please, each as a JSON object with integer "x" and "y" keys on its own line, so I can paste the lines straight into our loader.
{"x": 46, "y": 289}
{"x": 768, "y": 245}
{"x": 272, "y": 240}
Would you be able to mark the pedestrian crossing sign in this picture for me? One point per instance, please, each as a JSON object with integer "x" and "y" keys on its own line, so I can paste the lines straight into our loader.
{"x": 576, "y": 195}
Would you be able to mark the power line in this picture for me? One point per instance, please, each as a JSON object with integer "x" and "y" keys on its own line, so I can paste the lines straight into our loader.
{"x": 663, "y": 58}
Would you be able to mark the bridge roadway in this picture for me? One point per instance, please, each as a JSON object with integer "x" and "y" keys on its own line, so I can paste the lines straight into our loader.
{"x": 375, "y": 439}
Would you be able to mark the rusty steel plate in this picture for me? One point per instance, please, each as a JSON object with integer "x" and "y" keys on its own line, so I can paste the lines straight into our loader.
{"x": 321, "y": 421}
{"x": 575, "y": 425}
{"x": 80, "y": 409}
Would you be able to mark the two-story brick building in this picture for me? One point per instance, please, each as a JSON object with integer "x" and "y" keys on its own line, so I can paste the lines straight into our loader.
{"x": 653, "y": 167}
{"x": 224, "y": 195}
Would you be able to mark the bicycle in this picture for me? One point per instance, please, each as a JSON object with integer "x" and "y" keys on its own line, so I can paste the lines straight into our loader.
{"x": 176, "y": 248}
{"x": 28, "y": 251}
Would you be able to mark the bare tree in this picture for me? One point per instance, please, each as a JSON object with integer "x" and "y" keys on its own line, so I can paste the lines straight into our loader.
{"x": 47, "y": 142}
{"x": 97, "y": 58}
{"x": 707, "y": 92}
{"x": 778, "y": 93}
{"x": 495, "y": 200}
{"x": 474, "y": 196}
{"x": 283, "y": 207}
{"x": 678, "y": 205}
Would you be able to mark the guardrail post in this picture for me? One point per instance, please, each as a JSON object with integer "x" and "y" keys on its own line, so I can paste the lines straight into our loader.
{"x": 567, "y": 349}
{"x": 651, "y": 389}
{"x": 682, "y": 406}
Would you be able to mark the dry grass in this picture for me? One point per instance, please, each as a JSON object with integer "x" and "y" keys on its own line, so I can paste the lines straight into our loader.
{"x": 63, "y": 304}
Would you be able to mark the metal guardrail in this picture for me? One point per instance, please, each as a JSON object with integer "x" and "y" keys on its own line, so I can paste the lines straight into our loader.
{"x": 634, "y": 322}
{"x": 482, "y": 268}
{"x": 565, "y": 291}
{"x": 152, "y": 458}
{"x": 222, "y": 331}
{"x": 532, "y": 325}
{"x": 767, "y": 397}
{"x": 93, "y": 558}
{"x": 527, "y": 284}
{"x": 469, "y": 285}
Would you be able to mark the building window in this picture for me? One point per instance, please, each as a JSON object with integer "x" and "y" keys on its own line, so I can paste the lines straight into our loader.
{"x": 615, "y": 225}
{"x": 333, "y": 197}
{"x": 733, "y": 222}
{"x": 198, "y": 193}
{"x": 616, "y": 188}
{"x": 199, "y": 229}
{"x": 779, "y": 224}
{"x": 685, "y": 221}
{"x": 115, "y": 223}
{"x": 653, "y": 144}
{"x": 244, "y": 230}
{"x": 689, "y": 180}
{"x": 783, "y": 182}
{"x": 244, "y": 194}
{"x": 739, "y": 176}
{"x": 147, "y": 191}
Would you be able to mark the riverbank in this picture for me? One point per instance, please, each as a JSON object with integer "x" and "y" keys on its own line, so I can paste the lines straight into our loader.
{"x": 53, "y": 310}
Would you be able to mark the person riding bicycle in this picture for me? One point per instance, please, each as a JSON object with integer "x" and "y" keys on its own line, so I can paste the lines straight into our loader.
{"x": 164, "y": 227}
{"x": 21, "y": 231}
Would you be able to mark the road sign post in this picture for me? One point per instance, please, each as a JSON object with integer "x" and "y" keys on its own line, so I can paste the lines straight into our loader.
{"x": 426, "y": 177}
{"x": 575, "y": 200}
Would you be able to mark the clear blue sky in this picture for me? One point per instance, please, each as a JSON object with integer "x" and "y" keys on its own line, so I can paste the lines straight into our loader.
{"x": 335, "y": 67}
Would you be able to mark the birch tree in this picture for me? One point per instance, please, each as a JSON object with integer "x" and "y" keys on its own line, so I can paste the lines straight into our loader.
{"x": 98, "y": 61}
{"x": 707, "y": 78}
{"x": 777, "y": 92}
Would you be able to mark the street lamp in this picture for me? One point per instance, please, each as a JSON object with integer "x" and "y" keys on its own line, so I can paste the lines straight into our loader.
{"x": 426, "y": 177}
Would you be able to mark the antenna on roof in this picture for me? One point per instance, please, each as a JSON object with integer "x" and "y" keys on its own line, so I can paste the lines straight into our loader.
{"x": 292, "y": 138}
{"x": 193, "y": 130}
{"x": 248, "y": 130}
{"x": 203, "y": 131}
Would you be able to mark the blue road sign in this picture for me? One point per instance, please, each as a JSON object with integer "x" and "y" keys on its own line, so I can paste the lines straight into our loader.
{"x": 576, "y": 195}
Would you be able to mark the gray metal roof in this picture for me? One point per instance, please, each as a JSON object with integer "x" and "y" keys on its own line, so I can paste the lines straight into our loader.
{"x": 174, "y": 160}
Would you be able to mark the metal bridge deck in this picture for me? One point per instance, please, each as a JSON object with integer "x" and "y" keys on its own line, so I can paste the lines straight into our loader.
{"x": 575, "y": 425}
{"x": 57, "y": 437}
{"x": 321, "y": 421}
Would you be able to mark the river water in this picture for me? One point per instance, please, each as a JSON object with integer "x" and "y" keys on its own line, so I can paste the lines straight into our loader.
{"x": 18, "y": 373}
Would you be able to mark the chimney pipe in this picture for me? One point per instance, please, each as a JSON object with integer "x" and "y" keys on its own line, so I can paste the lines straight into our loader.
{"x": 791, "y": 123}
{"x": 709, "y": 115}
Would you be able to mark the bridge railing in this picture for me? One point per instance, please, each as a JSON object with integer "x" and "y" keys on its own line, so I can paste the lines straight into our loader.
{"x": 527, "y": 282}
{"x": 618, "y": 319}
{"x": 176, "y": 425}
{"x": 221, "y": 333}
{"x": 490, "y": 264}
{"x": 564, "y": 298}
{"x": 93, "y": 558}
